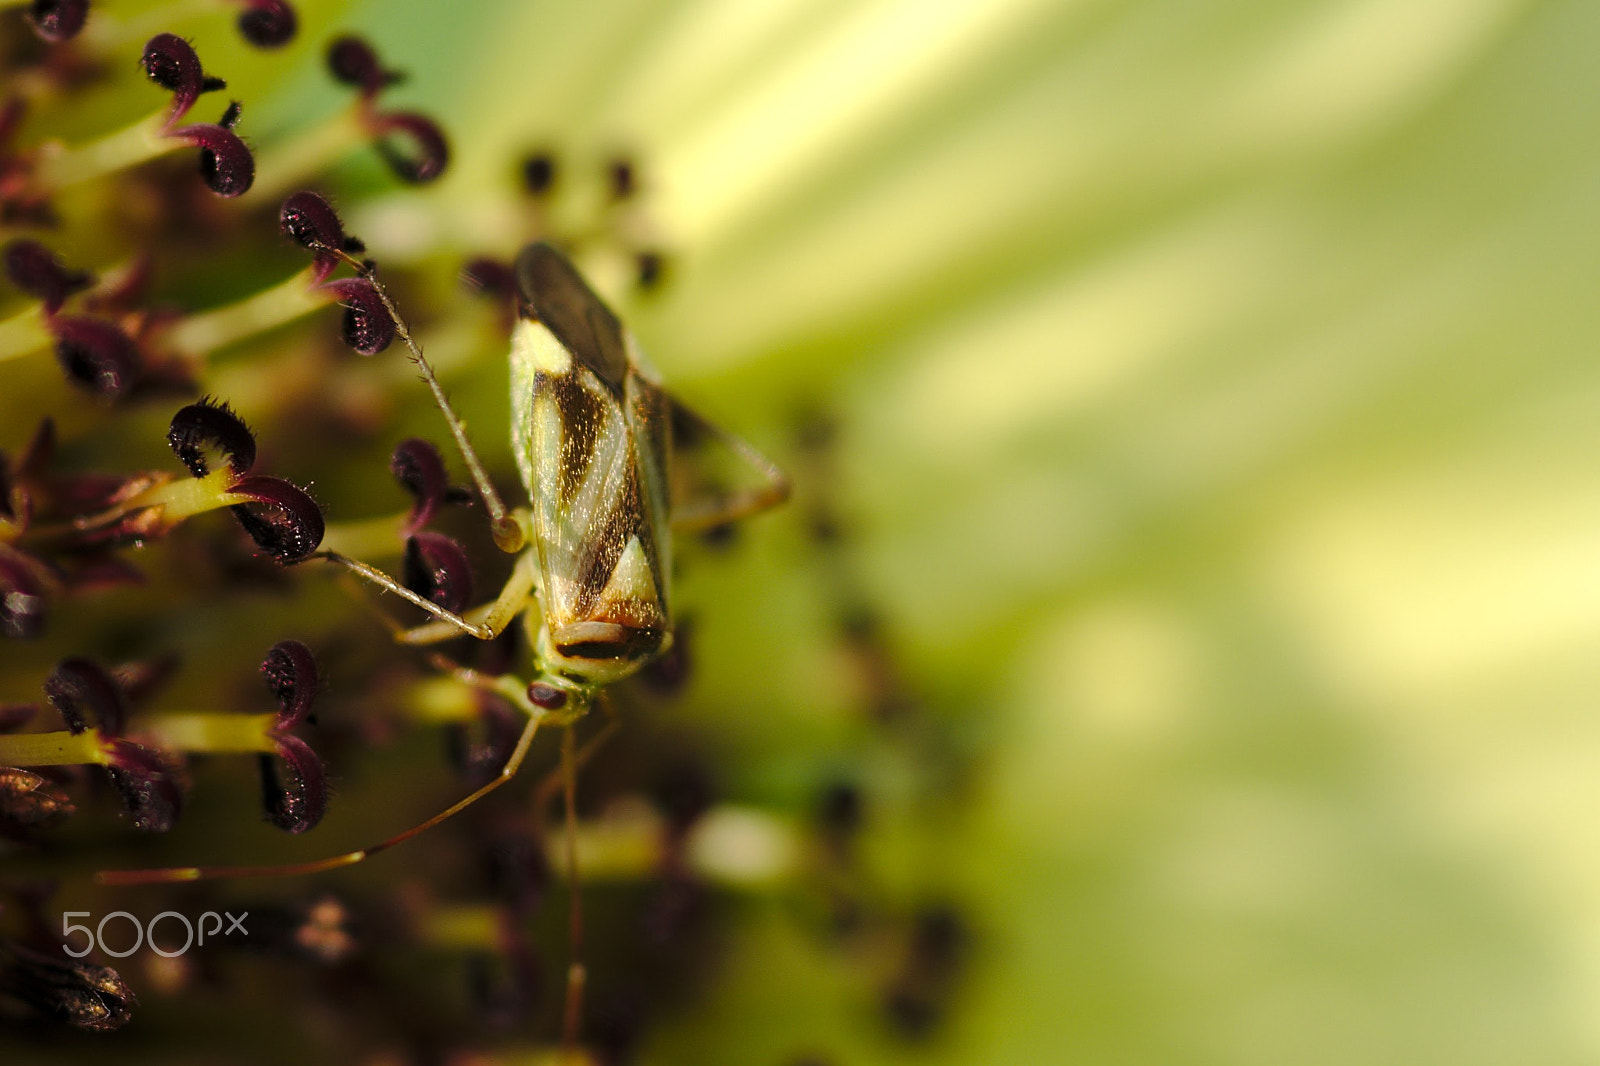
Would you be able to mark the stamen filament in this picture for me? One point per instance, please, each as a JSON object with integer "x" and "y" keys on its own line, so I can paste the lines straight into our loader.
{"x": 144, "y": 140}
{"x": 52, "y": 749}
{"x": 105, "y": 31}
{"x": 182, "y": 498}
{"x": 214, "y": 330}
{"x": 367, "y": 538}
{"x": 23, "y": 334}
{"x": 210, "y": 732}
{"x": 296, "y": 161}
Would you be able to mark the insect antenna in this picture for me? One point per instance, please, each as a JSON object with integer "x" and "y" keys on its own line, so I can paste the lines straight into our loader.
{"x": 507, "y": 533}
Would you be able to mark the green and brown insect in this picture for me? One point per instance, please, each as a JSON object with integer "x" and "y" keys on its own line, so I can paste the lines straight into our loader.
{"x": 593, "y": 433}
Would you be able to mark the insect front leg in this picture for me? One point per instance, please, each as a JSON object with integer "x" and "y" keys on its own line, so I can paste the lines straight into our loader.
{"x": 490, "y": 618}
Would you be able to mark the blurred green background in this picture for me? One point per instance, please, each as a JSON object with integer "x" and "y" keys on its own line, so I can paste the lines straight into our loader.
{"x": 1214, "y": 402}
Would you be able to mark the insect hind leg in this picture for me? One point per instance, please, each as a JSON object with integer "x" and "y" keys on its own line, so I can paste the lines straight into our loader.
{"x": 727, "y": 507}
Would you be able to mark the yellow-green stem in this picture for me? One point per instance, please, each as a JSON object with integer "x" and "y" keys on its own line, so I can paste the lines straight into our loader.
{"x": 105, "y": 32}
{"x": 24, "y": 333}
{"x": 182, "y": 498}
{"x": 129, "y": 146}
{"x": 290, "y": 164}
{"x": 370, "y": 538}
{"x": 52, "y": 749}
{"x": 210, "y": 732}
{"x": 211, "y": 331}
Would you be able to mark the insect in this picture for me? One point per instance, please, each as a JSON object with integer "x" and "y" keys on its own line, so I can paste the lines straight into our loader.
{"x": 592, "y": 434}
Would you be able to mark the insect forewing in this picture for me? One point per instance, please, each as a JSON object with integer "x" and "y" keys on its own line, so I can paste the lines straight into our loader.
{"x": 592, "y": 438}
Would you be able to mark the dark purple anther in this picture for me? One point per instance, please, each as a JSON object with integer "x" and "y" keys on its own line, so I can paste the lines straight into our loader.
{"x": 367, "y": 327}
{"x": 297, "y": 802}
{"x": 37, "y": 271}
{"x": 290, "y": 671}
{"x": 539, "y": 173}
{"x": 173, "y": 65}
{"x": 283, "y": 520}
{"x": 148, "y": 784}
{"x": 436, "y": 569}
{"x": 96, "y": 354}
{"x": 353, "y": 61}
{"x": 268, "y": 23}
{"x": 226, "y": 163}
{"x": 419, "y": 469}
{"x": 214, "y": 425}
{"x": 58, "y": 20}
{"x": 83, "y": 693}
{"x": 428, "y": 153}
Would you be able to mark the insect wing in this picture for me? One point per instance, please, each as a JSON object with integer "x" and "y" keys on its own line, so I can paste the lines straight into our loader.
{"x": 594, "y": 459}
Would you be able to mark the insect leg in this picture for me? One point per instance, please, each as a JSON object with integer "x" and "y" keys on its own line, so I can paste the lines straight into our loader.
{"x": 495, "y": 615}
{"x": 349, "y": 858}
{"x": 507, "y": 533}
{"x": 728, "y": 507}
{"x": 498, "y": 615}
{"x": 556, "y": 778}
{"x": 577, "y": 976}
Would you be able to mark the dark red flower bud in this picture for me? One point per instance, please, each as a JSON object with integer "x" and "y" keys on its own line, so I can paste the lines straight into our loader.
{"x": 74, "y": 991}
{"x": 268, "y": 23}
{"x": 58, "y": 20}
{"x": 37, "y": 271}
{"x": 148, "y": 784}
{"x": 367, "y": 327}
{"x": 226, "y": 164}
{"x": 283, "y": 520}
{"x": 173, "y": 65}
{"x": 428, "y": 153}
{"x": 210, "y": 424}
{"x": 297, "y": 802}
{"x": 290, "y": 671}
{"x": 436, "y": 569}
{"x": 81, "y": 691}
{"x": 416, "y": 464}
{"x": 352, "y": 61}
{"x": 96, "y": 354}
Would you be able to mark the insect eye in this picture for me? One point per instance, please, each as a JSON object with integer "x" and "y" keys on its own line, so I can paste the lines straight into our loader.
{"x": 548, "y": 696}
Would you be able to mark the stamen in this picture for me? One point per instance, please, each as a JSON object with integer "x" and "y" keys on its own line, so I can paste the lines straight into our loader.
{"x": 267, "y": 23}
{"x": 37, "y": 271}
{"x": 416, "y": 464}
{"x": 290, "y": 671}
{"x": 225, "y": 161}
{"x": 436, "y": 569}
{"x": 57, "y": 20}
{"x": 214, "y": 424}
{"x": 283, "y": 520}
